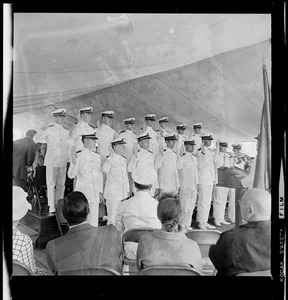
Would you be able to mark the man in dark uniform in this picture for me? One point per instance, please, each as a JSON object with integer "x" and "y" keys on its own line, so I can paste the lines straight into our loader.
{"x": 24, "y": 151}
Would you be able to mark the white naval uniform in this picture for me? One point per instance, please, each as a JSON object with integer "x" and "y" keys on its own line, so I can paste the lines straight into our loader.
{"x": 131, "y": 139}
{"x": 117, "y": 184}
{"x": 206, "y": 174}
{"x": 56, "y": 158}
{"x": 154, "y": 145}
{"x": 220, "y": 194}
{"x": 87, "y": 168}
{"x": 188, "y": 175}
{"x": 180, "y": 141}
{"x": 144, "y": 160}
{"x": 168, "y": 177}
{"x": 105, "y": 135}
{"x": 78, "y": 129}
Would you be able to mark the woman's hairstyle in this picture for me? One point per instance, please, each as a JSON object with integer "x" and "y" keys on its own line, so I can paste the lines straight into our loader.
{"x": 75, "y": 208}
{"x": 168, "y": 211}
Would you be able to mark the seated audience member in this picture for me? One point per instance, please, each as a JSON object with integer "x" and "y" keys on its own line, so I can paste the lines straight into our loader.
{"x": 246, "y": 248}
{"x": 168, "y": 245}
{"x": 83, "y": 246}
{"x": 22, "y": 248}
{"x": 140, "y": 210}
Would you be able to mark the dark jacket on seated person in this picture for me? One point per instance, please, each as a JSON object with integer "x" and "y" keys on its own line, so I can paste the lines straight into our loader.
{"x": 243, "y": 249}
{"x": 85, "y": 247}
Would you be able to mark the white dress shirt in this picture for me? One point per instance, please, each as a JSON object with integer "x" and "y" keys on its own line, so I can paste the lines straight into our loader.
{"x": 206, "y": 169}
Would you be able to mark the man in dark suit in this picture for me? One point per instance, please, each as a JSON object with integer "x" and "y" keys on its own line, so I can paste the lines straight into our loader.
{"x": 246, "y": 248}
{"x": 84, "y": 246}
{"x": 24, "y": 151}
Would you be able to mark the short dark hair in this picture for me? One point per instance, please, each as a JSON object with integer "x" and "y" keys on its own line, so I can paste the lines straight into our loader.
{"x": 75, "y": 208}
{"x": 142, "y": 186}
{"x": 169, "y": 207}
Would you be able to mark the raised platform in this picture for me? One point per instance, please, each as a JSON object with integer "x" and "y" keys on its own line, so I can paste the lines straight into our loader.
{"x": 42, "y": 222}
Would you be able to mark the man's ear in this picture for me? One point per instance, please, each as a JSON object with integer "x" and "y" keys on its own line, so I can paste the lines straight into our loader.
{"x": 251, "y": 210}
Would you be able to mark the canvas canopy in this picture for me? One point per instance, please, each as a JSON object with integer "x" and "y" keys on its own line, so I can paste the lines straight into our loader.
{"x": 189, "y": 67}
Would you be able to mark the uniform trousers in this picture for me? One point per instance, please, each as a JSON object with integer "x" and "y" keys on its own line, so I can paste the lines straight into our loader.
{"x": 187, "y": 200}
{"x": 204, "y": 202}
{"x": 231, "y": 205}
{"x": 112, "y": 206}
{"x": 220, "y": 196}
{"x": 93, "y": 215}
{"x": 55, "y": 179}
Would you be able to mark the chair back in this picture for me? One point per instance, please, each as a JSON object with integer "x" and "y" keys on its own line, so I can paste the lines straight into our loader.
{"x": 134, "y": 234}
{"x": 169, "y": 271}
{"x": 257, "y": 273}
{"x": 106, "y": 271}
{"x": 204, "y": 237}
{"x": 61, "y": 221}
{"x": 40, "y": 177}
{"x": 19, "y": 269}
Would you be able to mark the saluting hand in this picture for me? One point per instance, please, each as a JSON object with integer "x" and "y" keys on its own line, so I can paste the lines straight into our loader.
{"x": 144, "y": 127}
{"x": 111, "y": 151}
{"x": 73, "y": 154}
{"x": 161, "y": 149}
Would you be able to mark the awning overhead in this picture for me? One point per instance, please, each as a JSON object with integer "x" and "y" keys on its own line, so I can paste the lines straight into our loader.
{"x": 192, "y": 68}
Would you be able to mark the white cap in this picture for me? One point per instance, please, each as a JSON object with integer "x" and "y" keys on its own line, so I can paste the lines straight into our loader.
{"x": 108, "y": 113}
{"x": 164, "y": 119}
{"x": 118, "y": 141}
{"x": 150, "y": 117}
{"x": 170, "y": 136}
{"x": 145, "y": 176}
{"x": 198, "y": 125}
{"x": 20, "y": 204}
{"x": 87, "y": 109}
{"x": 129, "y": 121}
{"x": 59, "y": 112}
{"x": 143, "y": 136}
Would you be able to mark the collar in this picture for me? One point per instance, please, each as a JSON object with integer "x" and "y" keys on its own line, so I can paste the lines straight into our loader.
{"x": 169, "y": 235}
{"x": 79, "y": 227}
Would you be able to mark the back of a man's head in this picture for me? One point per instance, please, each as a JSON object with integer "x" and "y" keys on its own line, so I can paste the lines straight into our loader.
{"x": 30, "y": 133}
{"x": 260, "y": 201}
{"x": 75, "y": 208}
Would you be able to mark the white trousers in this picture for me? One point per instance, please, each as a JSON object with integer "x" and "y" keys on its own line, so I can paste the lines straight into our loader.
{"x": 231, "y": 205}
{"x": 55, "y": 179}
{"x": 204, "y": 202}
{"x": 220, "y": 197}
{"x": 93, "y": 216}
{"x": 187, "y": 200}
{"x": 112, "y": 206}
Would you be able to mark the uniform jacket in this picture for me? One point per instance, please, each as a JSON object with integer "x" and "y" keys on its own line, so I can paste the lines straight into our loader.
{"x": 87, "y": 169}
{"x": 80, "y": 128}
{"x": 24, "y": 151}
{"x": 105, "y": 135}
{"x": 144, "y": 159}
{"x": 188, "y": 171}
{"x": 197, "y": 138}
{"x": 206, "y": 169}
{"x": 242, "y": 249}
{"x": 168, "y": 173}
{"x": 138, "y": 211}
{"x": 168, "y": 248}
{"x": 84, "y": 247}
{"x": 131, "y": 139}
{"x": 117, "y": 184}
{"x": 58, "y": 145}
{"x": 154, "y": 146}
{"x": 161, "y": 133}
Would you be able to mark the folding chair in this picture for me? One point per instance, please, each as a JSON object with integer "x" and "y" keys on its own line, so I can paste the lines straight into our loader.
{"x": 106, "y": 271}
{"x": 133, "y": 235}
{"x": 257, "y": 273}
{"x": 61, "y": 221}
{"x": 169, "y": 271}
{"x": 19, "y": 269}
{"x": 205, "y": 238}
